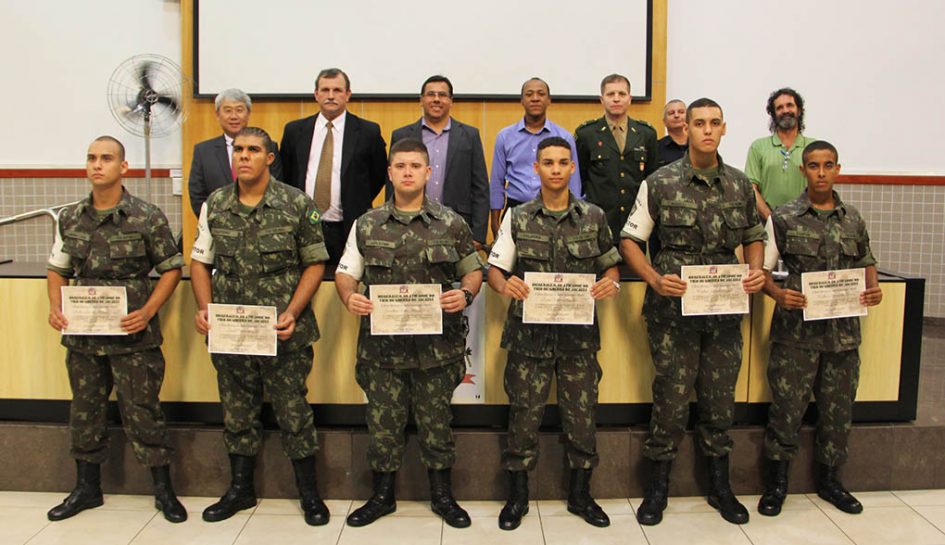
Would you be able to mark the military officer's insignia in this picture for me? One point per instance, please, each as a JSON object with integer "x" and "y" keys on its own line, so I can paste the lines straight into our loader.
{"x": 314, "y": 217}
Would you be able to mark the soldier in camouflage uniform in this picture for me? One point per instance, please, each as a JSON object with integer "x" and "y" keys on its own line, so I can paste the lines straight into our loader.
{"x": 615, "y": 153}
{"x": 114, "y": 239}
{"x": 702, "y": 209}
{"x": 815, "y": 232}
{"x": 553, "y": 233}
{"x": 410, "y": 240}
{"x": 265, "y": 241}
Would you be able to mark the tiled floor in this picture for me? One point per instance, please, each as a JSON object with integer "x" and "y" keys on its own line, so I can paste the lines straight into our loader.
{"x": 901, "y": 518}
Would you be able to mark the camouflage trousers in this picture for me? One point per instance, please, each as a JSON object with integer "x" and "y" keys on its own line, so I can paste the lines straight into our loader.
{"x": 391, "y": 393}
{"x": 795, "y": 373}
{"x": 242, "y": 380}
{"x": 527, "y": 383}
{"x": 137, "y": 379}
{"x": 685, "y": 359}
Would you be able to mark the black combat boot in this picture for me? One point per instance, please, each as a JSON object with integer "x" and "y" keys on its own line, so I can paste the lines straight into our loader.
{"x": 776, "y": 484}
{"x": 165, "y": 500}
{"x": 86, "y": 494}
{"x": 580, "y": 501}
{"x": 441, "y": 499}
{"x": 382, "y": 502}
{"x": 314, "y": 509}
{"x": 650, "y": 512}
{"x": 720, "y": 492}
{"x": 517, "y": 505}
{"x": 241, "y": 494}
{"x": 830, "y": 489}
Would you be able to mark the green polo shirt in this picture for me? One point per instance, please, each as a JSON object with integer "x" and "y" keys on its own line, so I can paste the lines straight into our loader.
{"x": 778, "y": 180}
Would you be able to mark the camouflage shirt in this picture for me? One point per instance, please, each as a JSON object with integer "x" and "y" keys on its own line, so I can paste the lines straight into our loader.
{"x": 811, "y": 240}
{"x": 115, "y": 249}
{"x": 259, "y": 252}
{"x": 700, "y": 221}
{"x": 534, "y": 239}
{"x": 434, "y": 246}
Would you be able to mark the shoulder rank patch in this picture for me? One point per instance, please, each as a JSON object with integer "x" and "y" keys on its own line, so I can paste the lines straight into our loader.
{"x": 314, "y": 217}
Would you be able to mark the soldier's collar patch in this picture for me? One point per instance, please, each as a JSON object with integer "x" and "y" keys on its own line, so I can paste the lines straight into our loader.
{"x": 314, "y": 217}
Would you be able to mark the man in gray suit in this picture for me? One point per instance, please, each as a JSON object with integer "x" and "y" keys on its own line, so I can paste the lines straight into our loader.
{"x": 211, "y": 167}
{"x": 459, "y": 178}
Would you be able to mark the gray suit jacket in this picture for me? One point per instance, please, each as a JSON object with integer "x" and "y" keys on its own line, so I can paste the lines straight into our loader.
{"x": 466, "y": 183}
{"x": 210, "y": 170}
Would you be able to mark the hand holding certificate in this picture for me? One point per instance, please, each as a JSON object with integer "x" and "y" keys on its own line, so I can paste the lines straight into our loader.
{"x": 714, "y": 289}
{"x": 406, "y": 309}
{"x": 247, "y": 330}
{"x": 559, "y": 298}
{"x": 833, "y": 294}
{"x": 94, "y": 310}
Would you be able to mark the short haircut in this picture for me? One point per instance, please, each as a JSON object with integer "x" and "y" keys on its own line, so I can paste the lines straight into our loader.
{"x": 820, "y": 145}
{"x": 673, "y": 101}
{"x": 798, "y": 100}
{"x": 112, "y": 139}
{"x": 702, "y": 103}
{"x": 408, "y": 145}
{"x": 235, "y": 95}
{"x": 333, "y": 73}
{"x": 552, "y": 141}
{"x": 437, "y": 79}
{"x": 536, "y": 78}
{"x": 258, "y": 133}
{"x": 614, "y": 78}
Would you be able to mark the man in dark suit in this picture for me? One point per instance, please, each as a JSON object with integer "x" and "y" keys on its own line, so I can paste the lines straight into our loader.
{"x": 210, "y": 167}
{"x": 459, "y": 178}
{"x": 337, "y": 157}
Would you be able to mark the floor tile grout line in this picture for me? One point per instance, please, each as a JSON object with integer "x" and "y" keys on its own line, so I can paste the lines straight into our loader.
{"x": 842, "y": 531}
{"x": 32, "y": 537}
{"x": 145, "y": 525}
{"x": 923, "y": 517}
{"x": 243, "y": 527}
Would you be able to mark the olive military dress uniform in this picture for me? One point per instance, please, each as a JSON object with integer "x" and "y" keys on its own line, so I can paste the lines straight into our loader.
{"x": 117, "y": 247}
{"x": 403, "y": 372}
{"x": 534, "y": 239}
{"x": 819, "y": 356}
{"x": 259, "y": 254}
{"x": 612, "y": 174}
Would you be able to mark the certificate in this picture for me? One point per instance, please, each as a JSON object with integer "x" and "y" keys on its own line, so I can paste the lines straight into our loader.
{"x": 714, "y": 289}
{"x": 94, "y": 310}
{"x": 406, "y": 309}
{"x": 248, "y": 330}
{"x": 833, "y": 294}
{"x": 559, "y": 298}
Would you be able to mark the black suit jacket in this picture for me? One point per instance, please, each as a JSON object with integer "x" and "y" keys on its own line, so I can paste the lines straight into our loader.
{"x": 465, "y": 183}
{"x": 363, "y": 161}
{"x": 210, "y": 170}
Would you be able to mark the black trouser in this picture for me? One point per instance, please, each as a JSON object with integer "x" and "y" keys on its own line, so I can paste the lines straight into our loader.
{"x": 335, "y": 238}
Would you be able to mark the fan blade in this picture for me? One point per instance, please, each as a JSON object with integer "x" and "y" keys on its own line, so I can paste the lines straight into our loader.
{"x": 144, "y": 75}
{"x": 169, "y": 102}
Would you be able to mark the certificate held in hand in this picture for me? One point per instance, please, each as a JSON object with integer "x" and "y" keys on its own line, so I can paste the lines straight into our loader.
{"x": 833, "y": 294}
{"x": 559, "y": 298}
{"x": 714, "y": 289}
{"x": 247, "y": 330}
{"x": 94, "y": 310}
{"x": 406, "y": 309}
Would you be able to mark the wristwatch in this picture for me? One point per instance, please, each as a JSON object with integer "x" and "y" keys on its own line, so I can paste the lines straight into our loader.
{"x": 469, "y": 296}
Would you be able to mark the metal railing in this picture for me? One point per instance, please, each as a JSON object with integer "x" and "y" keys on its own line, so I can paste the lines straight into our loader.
{"x": 52, "y": 212}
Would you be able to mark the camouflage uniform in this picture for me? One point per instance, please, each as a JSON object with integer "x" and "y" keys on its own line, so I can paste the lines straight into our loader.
{"x": 818, "y": 356}
{"x": 118, "y": 248}
{"x": 398, "y": 372}
{"x": 612, "y": 178}
{"x": 578, "y": 241}
{"x": 700, "y": 221}
{"x": 259, "y": 254}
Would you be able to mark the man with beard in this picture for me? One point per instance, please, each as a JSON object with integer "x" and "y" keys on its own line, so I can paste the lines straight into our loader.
{"x": 774, "y": 162}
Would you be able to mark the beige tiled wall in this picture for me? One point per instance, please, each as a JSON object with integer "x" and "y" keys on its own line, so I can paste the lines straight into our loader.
{"x": 30, "y": 240}
{"x": 907, "y": 223}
